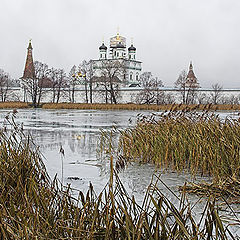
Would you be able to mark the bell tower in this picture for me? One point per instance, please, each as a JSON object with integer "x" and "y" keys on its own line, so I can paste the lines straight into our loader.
{"x": 29, "y": 71}
{"x": 191, "y": 79}
{"x": 103, "y": 51}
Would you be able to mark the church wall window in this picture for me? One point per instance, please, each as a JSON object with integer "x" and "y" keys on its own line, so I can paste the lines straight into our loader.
{"x": 131, "y": 76}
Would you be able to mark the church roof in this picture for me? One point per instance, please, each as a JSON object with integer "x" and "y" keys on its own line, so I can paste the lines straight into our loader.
{"x": 120, "y": 45}
{"x": 191, "y": 75}
{"x": 132, "y": 48}
{"x": 102, "y": 47}
{"x": 191, "y": 79}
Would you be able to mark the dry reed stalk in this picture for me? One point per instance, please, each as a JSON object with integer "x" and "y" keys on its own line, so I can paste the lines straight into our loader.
{"x": 13, "y": 105}
{"x": 199, "y": 143}
{"x": 34, "y": 207}
{"x": 131, "y": 106}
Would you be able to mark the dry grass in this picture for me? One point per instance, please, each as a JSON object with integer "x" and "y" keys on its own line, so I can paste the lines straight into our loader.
{"x": 120, "y": 106}
{"x": 199, "y": 143}
{"x": 34, "y": 207}
{"x": 137, "y": 106}
{"x": 14, "y": 105}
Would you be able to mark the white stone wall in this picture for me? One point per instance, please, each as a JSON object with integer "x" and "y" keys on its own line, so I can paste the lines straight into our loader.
{"x": 132, "y": 67}
{"x": 126, "y": 95}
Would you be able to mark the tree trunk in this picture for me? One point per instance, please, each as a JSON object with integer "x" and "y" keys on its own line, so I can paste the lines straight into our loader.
{"x": 73, "y": 92}
{"x": 106, "y": 95}
{"x": 86, "y": 91}
{"x": 90, "y": 88}
{"x": 113, "y": 97}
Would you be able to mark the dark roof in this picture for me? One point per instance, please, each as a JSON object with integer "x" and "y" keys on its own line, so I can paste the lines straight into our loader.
{"x": 102, "y": 47}
{"x": 120, "y": 45}
{"x": 132, "y": 48}
{"x": 191, "y": 75}
{"x": 135, "y": 85}
{"x": 30, "y": 45}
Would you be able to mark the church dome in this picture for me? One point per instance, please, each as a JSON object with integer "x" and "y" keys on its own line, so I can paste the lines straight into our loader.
{"x": 120, "y": 45}
{"x": 102, "y": 47}
{"x": 132, "y": 48}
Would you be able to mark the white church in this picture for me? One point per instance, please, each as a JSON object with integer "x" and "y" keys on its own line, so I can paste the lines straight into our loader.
{"x": 127, "y": 57}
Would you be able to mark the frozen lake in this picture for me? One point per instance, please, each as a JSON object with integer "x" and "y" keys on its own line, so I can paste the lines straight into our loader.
{"x": 78, "y": 131}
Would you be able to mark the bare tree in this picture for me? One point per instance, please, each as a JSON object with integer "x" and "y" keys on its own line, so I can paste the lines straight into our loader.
{"x": 202, "y": 98}
{"x": 169, "y": 98}
{"x": 216, "y": 93}
{"x": 151, "y": 92}
{"x": 229, "y": 99}
{"x": 72, "y": 82}
{"x": 112, "y": 72}
{"x": 83, "y": 69}
{"x": 34, "y": 87}
{"x": 181, "y": 85}
{"x": 4, "y": 85}
{"x": 90, "y": 75}
{"x": 186, "y": 88}
{"x": 58, "y": 83}
{"x": 87, "y": 74}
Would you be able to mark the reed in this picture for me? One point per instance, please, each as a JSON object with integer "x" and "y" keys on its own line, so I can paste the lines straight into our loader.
{"x": 34, "y": 207}
{"x": 186, "y": 141}
{"x": 138, "y": 106}
{"x": 14, "y": 105}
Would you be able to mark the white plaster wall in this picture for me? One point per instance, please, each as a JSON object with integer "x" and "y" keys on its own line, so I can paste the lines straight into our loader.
{"x": 126, "y": 95}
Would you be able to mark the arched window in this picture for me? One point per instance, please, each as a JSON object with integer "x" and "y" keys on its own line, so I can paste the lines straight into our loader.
{"x": 131, "y": 75}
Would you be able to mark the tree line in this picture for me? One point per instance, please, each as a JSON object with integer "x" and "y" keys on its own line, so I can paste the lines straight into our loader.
{"x": 105, "y": 86}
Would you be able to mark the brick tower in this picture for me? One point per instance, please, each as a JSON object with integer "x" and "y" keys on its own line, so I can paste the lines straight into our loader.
{"x": 29, "y": 71}
{"x": 191, "y": 80}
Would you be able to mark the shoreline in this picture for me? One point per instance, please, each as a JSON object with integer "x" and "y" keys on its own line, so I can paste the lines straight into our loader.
{"x": 130, "y": 106}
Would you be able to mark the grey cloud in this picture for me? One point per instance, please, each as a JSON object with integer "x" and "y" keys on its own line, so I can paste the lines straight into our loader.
{"x": 167, "y": 34}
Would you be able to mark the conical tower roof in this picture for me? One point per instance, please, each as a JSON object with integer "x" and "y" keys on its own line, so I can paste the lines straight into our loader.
{"x": 191, "y": 79}
{"x": 29, "y": 71}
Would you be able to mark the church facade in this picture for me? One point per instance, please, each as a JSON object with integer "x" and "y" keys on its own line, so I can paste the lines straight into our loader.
{"x": 125, "y": 57}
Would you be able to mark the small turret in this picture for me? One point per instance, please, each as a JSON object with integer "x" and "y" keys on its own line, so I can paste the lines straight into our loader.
{"x": 132, "y": 52}
{"x": 191, "y": 80}
{"x": 103, "y": 51}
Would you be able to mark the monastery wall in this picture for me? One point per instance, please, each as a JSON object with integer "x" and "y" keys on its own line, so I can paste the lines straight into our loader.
{"x": 125, "y": 95}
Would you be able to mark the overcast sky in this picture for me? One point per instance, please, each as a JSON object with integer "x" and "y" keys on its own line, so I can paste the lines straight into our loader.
{"x": 168, "y": 34}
